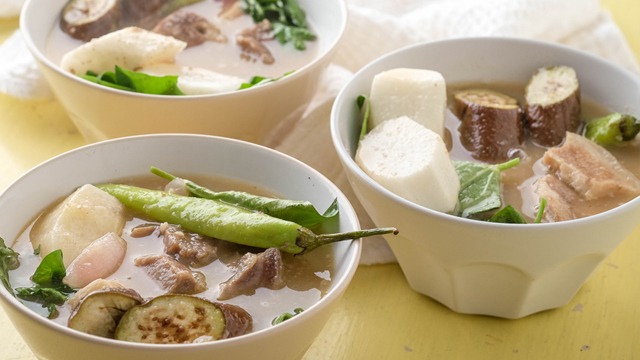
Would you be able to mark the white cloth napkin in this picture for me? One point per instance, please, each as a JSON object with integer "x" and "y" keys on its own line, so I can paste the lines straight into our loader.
{"x": 377, "y": 27}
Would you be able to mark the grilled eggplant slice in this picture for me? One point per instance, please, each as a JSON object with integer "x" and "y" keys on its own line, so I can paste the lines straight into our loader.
{"x": 491, "y": 127}
{"x": 88, "y": 19}
{"x": 182, "y": 319}
{"x": 100, "y": 312}
{"x": 553, "y": 104}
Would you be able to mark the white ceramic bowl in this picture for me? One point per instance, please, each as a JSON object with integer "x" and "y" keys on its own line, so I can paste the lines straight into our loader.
{"x": 478, "y": 267}
{"x": 102, "y": 113}
{"x": 179, "y": 153}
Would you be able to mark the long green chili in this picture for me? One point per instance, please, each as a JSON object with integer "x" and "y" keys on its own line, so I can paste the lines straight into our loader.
{"x": 299, "y": 212}
{"x": 228, "y": 222}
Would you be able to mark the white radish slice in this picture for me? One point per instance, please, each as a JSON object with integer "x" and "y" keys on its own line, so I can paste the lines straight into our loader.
{"x": 417, "y": 93}
{"x": 130, "y": 48}
{"x": 98, "y": 260}
{"x": 411, "y": 161}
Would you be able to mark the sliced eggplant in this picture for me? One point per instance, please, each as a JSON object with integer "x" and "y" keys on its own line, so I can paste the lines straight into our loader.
{"x": 491, "y": 127}
{"x": 182, "y": 319}
{"x": 88, "y": 19}
{"x": 100, "y": 312}
{"x": 552, "y": 104}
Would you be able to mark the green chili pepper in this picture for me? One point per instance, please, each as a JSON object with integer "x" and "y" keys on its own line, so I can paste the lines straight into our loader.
{"x": 299, "y": 212}
{"x": 228, "y": 222}
{"x": 612, "y": 129}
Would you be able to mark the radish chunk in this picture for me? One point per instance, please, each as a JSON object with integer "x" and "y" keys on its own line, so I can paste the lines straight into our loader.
{"x": 77, "y": 221}
{"x": 417, "y": 93}
{"x": 97, "y": 261}
{"x": 130, "y": 48}
{"x": 411, "y": 161}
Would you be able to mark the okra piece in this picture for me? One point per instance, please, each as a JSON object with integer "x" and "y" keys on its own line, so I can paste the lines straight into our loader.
{"x": 228, "y": 222}
{"x": 299, "y": 212}
{"x": 612, "y": 129}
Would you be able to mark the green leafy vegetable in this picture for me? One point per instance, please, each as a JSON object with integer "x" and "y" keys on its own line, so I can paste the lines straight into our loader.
{"x": 49, "y": 290}
{"x": 9, "y": 260}
{"x": 480, "y": 185}
{"x": 300, "y": 212}
{"x": 509, "y": 215}
{"x": 261, "y": 80}
{"x": 612, "y": 129}
{"x": 363, "y": 103}
{"x": 128, "y": 80}
{"x": 286, "y": 316}
{"x": 287, "y": 18}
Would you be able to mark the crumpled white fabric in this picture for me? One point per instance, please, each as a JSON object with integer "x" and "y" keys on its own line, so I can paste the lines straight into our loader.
{"x": 377, "y": 27}
{"x": 10, "y": 8}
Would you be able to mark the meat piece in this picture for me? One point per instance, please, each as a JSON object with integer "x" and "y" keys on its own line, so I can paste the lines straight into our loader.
{"x": 189, "y": 248}
{"x": 560, "y": 198}
{"x": 553, "y": 104}
{"x": 251, "y": 42}
{"x": 491, "y": 124}
{"x": 590, "y": 169}
{"x": 254, "y": 271}
{"x": 190, "y": 28}
{"x": 172, "y": 276}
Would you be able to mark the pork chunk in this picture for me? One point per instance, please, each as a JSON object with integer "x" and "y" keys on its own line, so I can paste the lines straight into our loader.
{"x": 171, "y": 275}
{"x": 590, "y": 169}
{"x": 254, "y": 271}
{"x": 559, "y": 196}
{"x": 191, "y": 249}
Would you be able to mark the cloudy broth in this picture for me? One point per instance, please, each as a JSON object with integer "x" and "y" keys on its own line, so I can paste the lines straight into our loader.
{"x": 223, "y": 58}
{"x": 518, "y": 181}
{"x": 307, "y": 277}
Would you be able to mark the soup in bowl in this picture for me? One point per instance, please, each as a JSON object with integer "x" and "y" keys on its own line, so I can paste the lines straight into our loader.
{"x": 236, "y": 79}
{"x": 274, "y": 315}
{"x": 479, "y": 232}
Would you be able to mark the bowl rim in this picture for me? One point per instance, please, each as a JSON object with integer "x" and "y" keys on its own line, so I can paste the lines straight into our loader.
{"x": 351, "y": 166}
{"x": 342, "y": 14}
{"x": 340, "y": 284}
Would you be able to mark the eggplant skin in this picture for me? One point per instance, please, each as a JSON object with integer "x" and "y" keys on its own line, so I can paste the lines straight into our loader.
{"x": 549, "y": 124}
{"x": 553, "y": 105}
{"x": 182, "y": 319}
{"x": 100, "y": 312}
{"x": 491, "y": 126}
{"x": 85, "y": 19}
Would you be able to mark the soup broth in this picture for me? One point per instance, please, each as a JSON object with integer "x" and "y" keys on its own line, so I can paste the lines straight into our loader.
{"x": 518, "y": 181}
{"x": 307, "y": 277}
{"x": 223, "y": 58}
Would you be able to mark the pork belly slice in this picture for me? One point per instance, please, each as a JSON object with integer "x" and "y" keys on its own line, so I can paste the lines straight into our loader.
{"x": 590, "y": 169}
{"x": 254, "y": 271}
{"x": 560, "y": 198}
{"x": 171, "y": 275}
{"x": 189, "y": 248}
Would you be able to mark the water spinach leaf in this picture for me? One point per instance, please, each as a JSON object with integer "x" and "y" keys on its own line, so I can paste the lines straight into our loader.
{"x": 287, "y": 18}
{"x": 128, "y": 80}
{"x": 49, "y": 290}
{"x": 480, "y": 185}
{"x": 8, "y": 261}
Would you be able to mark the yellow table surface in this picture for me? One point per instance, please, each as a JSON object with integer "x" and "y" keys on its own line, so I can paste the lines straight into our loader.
{"x": 380, "y": 317}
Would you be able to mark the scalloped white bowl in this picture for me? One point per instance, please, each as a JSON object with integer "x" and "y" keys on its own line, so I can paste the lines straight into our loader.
{"x": 254, "y": 114}
{"x": 476, "y": 267}
{"x": 179, "y": 153}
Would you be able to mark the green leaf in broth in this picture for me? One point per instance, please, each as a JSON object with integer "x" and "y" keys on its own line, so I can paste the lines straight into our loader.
{"x": 508, "y": 215}
{"x": 480, "y": 185}
{"x": 128, "y": 80}
{"x": 51, "y": 270}
{"x": 9, "y": 260}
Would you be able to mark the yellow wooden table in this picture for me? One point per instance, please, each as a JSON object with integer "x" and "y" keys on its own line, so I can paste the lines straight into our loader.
{"x": 380, "y": 317}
